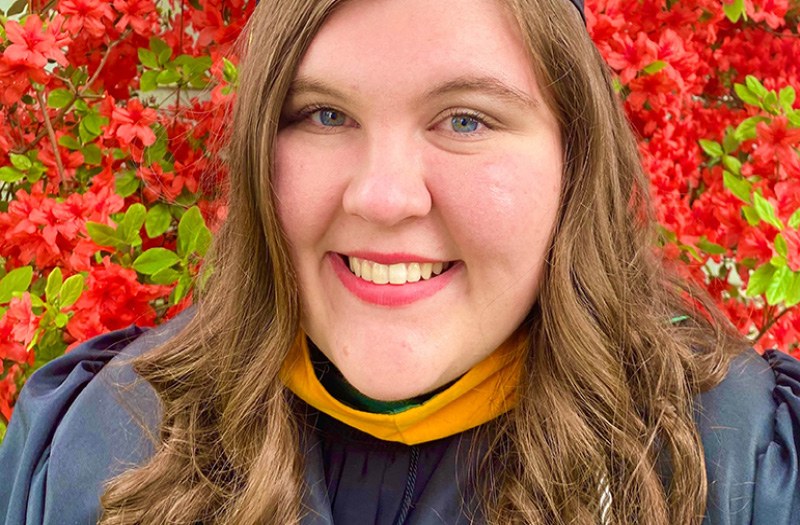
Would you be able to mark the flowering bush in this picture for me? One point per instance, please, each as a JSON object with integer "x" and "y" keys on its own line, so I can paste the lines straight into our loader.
{"x": 111, "y": 113}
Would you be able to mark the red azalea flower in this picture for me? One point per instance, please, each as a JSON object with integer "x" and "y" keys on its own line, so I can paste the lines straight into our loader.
{"x": 31, "y": 45}
{"x": 86, "y": 14}
{"x": 15, "y": 77}
{"x": 114, "y": 299}
{"x": 777, "y": 140}
{"x": 134, "y": 123}
{"x": 22, "y": 321}
{"x": 139, "y": 14}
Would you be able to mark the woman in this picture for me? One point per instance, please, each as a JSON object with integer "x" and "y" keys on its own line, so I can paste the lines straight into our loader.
{"x": 435, "y": 301}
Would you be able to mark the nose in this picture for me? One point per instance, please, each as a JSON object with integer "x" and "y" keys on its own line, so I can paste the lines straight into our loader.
{"x": 389, "y": 187}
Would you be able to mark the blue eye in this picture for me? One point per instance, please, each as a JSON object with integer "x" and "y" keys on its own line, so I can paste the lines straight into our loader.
{"x": 464, "y": 124}
{"x": 331, "y": 117}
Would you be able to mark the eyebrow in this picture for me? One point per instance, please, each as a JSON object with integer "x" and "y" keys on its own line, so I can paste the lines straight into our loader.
{"x": 486, "y": 85}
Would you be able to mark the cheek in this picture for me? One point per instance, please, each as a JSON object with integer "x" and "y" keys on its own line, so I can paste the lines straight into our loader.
{"x": 505, "y": 205}
{"x": 305, "y": 186}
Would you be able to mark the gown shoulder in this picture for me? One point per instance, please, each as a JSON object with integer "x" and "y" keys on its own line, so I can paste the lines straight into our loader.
{"x": 79, "y": 420}
{"x": 750, "y": 428}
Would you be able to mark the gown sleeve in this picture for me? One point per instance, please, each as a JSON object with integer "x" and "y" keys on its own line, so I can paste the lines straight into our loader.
{"x": 750, "y": 428}
{"x": 777, "y": 494}
{"x": 79, "y": 420}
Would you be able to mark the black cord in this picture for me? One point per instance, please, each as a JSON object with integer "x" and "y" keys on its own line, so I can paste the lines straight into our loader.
{"x": 411, "y": 481}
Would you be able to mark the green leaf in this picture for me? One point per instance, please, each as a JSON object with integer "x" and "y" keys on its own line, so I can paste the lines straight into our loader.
{"x": 786, "y": 98}
{"x": 156, "y": 151}
{"x": 230, "y": 73}
{"x": 59, "y": 98}
{"x": 158, "y": 220}
{"x": 750, "y": 215}
{"x": 188, "y": 228}
{"x": 712, "y": 148}
{"x": 69, "y": 142}
{"x": 89, "y": 127}
{"x": 148, "y": 58}
{"x": 164, "y": 56}
{"x": 157, "y": 45}
{"x": 778, "y": 261}
{"x": 54, "y": 282}
{"x": 780, "y": 246}
{"x": 771, "y": 102}
{"x": 747, "y": 128}
{"x": 131, "y": 224}
{"x": 92, "y": 155}
{"x": 794, "y": 220}
{"x": 779, "y": 285}
{"x": 17, "y": 7}
{"x": 649, "y": 69}
{"x": 793, "y": 295}
{"x": 732, "y": 163}
{"x": 71, "y": 290}
{"x": 102, "y": 234}
{"x": 15, "y": 281}
{"x": 181, "y": 289}
{"x": 747, "y": 96}
{"x": 127, "y": 184}
{"x": 734, "y": 10}
{"x": 766, "y": 212}
{"x": 710, "y": 247}
{"x": 21, "y": 162}
{"x": 79, "y": 76}
{"x": 61, "y": 319}
{"x": 149, "y": 80}
{"x": 729, "y": 141}
{"x": 165, "y": 276}
{"x": 740, "y": 187}
{"x": 755, "y": 86}
{"x": 36, "y": 301}
{"x": 35, "y": 173}
{"x": 9, "y": 174}
{"x": 759, "y": 280}
{"x": 154, "y": 260}
{"x": 203, "y": 241}
{"x": 168, "y": 76}
{"x": 93, "y": 123}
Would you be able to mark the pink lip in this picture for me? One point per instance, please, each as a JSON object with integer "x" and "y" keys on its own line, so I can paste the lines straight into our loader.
{"x": 390, "y": 294}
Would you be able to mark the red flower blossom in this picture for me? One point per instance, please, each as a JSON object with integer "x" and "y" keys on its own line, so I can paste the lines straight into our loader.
{"x": 133, "y": 122}
{"x": 114, "y": 299}
{"x": 139, "y": 14}
{"x": 777, "y": 141}
{"x": 86, "y": 14}
{"x": 18, "y": 326}
{"x": 31, "y": 45}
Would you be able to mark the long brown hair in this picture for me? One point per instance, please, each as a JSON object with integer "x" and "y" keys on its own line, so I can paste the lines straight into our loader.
{"x": 608, "y": 383}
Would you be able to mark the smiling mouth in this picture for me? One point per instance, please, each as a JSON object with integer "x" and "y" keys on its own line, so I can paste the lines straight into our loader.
{"x": 400, "y": 273}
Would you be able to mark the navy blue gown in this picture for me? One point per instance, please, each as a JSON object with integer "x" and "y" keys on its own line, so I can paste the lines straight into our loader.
{"x": 79, "y": 422}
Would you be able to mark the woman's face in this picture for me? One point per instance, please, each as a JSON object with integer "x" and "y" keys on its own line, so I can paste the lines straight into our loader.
{"x": 415, "y": 141}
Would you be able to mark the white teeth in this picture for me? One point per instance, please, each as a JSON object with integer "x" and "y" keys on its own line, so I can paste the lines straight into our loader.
{"x": 399, "y": 273}
{"x": 425, "y": 270}
{"x": 413, "y": 274}
{"x": 366, "y": 269}
{"x": 380, "y": 273}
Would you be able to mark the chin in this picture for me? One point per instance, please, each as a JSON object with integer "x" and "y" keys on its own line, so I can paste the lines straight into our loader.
{"x": 391, "y": 388}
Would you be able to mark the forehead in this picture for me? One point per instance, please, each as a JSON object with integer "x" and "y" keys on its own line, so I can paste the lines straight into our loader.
{"x": 396, "y": 48}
